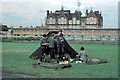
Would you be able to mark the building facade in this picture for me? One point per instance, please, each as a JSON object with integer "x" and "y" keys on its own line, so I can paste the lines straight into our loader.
{"x": 67, "y": 32}
{"x": 62, "y": 19}
{"x": 72, "y": 24}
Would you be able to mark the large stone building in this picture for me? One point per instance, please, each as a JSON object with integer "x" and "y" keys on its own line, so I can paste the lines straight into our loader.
{"x": 63, "y": 19}
{"x": 72, "y": 24}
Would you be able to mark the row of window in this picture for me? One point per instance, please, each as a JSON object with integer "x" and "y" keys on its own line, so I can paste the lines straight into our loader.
{"x": 91, "y": 20}
{"x": 25, "y": 35}
{"x": 62, "y": 20}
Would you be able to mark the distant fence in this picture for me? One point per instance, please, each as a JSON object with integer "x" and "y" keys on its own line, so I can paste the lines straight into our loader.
{"x": 20, "y": 38}
{"x": 97, "y": 38}
{"x": 37, "y": 38}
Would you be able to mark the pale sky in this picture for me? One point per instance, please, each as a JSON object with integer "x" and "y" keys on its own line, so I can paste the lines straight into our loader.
{"x": 33, "y": 12}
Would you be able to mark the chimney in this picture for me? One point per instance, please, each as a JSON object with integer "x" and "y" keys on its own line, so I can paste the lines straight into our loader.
{"x": 86, "y": 12}
{"x": 47, "y": 12}
{"x": 20, "y": 26}
{"x": 97, "y": 12}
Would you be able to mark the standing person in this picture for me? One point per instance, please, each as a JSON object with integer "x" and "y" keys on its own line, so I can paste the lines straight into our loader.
{"x": 44, "y": 45}
{"x": 60, "y": 44}
{"x": 83, "y": 55}
{"x": 51, "y": 42}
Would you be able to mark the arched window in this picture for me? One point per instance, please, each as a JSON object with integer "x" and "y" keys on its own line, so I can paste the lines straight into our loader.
{"x": 91, "y": 20}
{"x": 74, "y": 20}
{"x": 62, "y": 20}
{"x": 50, "y": 20}
{"x": 53, "y": 21}
{"x": 59, "y": 21}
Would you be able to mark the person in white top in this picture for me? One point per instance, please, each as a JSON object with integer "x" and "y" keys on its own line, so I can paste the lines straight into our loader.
{"x": 83, "y": 55}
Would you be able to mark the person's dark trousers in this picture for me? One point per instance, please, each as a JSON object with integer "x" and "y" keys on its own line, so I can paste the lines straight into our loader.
{"x": 52, "y": 52}
{"x": 60, "y": 51}
{"x": 55, "y": 48}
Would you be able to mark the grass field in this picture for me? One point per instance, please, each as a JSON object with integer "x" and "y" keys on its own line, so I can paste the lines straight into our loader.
{"x": 15, "y": 59}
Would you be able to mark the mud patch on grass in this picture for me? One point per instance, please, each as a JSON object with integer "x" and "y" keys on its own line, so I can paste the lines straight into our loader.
{"x": 8, "y": 74}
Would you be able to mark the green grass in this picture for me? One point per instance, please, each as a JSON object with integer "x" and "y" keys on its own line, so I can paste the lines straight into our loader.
{"x": 15, "y": 59}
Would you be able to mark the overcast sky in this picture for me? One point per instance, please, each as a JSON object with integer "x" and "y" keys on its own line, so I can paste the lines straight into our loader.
{"x": 33, "y": 12}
